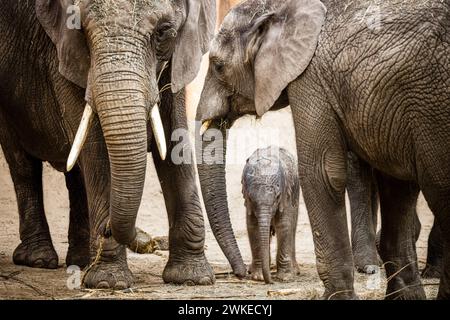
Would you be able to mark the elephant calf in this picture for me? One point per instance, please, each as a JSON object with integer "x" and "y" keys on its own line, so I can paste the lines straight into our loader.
{"x": 271, "y": 189}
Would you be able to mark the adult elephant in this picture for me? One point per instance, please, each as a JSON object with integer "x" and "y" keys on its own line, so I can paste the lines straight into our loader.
{"x": 122, "y": 58}
{"x": 372, "y": 80}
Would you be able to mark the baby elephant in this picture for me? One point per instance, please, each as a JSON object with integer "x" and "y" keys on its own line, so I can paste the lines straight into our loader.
{"x": 271, "y": 189}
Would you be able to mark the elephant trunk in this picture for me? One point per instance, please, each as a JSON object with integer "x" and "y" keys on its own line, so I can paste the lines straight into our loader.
{"x": 126, "y": 140}
{"x": 264, "y": 220}
{"x": 120, "y": 95}
{"x": 213, "y": 186}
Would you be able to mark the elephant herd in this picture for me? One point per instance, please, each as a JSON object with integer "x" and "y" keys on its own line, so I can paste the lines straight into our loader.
{"x": 92, "y": 86}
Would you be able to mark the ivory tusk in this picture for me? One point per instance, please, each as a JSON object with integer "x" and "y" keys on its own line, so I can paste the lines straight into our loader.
{"x": 158, "y": 131}
{"x": 80, "y": 137}
{"x": 205, "y": 126}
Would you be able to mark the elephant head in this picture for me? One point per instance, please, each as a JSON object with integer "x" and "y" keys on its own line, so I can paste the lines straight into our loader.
{"x": 116, "y": 49}
{"x": 261, "y": 47}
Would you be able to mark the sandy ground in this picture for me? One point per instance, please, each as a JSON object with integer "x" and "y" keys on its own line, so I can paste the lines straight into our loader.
{"x": 25, "y": 283}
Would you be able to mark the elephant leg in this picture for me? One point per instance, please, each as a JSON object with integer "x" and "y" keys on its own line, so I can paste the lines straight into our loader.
{"x": 187, "y": 261}
{"x": 253, "y": 236}
{"x": 108, "y": 268}
{"x": 294, "y": 233}
{"x": 443, "y": 222}
{"x": 362, "y": 193}
{"x": 36, "y": 249}
{"x": 78, "y": 252}
{"x": 322, "y": 165}
{"x": 435, "y": 253}
{"x": 398, "y": 201}
{"x": 286, "y": 263}
{"x": 436, "y": 194}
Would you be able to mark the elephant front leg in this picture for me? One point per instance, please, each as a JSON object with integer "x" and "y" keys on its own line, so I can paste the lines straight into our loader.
{"x": 285, "y": 227}
{"x": 78, "y": 252}
{"x": 36, "y": 249}
{"x": 253, "y": 237}
{"x": 108, "y": 268}
{"x": 398, "y": 201}
{"x": 322, "y": 171}
{"x": 187, "y": 262}
{"x": 363, "y": 196}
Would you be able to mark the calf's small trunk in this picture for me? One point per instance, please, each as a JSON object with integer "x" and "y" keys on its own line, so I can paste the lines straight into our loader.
{"x": 264, "y": 220}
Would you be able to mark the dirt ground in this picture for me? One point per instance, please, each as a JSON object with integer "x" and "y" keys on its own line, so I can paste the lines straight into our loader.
{"x": 25, "y": 283}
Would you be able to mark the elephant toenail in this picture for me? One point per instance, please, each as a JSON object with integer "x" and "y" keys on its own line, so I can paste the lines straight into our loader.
{"x": 103, "y": 285}
{"x": 39, "y": 263}
{"x": 205, "y": 281}
{"x": 120, "y": 285}
{"x": 189, "y": 283}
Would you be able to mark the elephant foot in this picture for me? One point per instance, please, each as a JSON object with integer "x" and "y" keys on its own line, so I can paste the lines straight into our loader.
{"x": 366, "y": 262}
{"x": 78, "y": 256}
{"x": 399, "y": 290}
{"x": 285, "y": 275}
{"x": 431, "y": 272}
{"x": 256, "y": 273}
{"x": 39, "y": 254}
{"x": 193, "y": 271}
{"x": 340, "y": 295}
{"x": 108, "y": 275}
{"x": 368, "y": 268}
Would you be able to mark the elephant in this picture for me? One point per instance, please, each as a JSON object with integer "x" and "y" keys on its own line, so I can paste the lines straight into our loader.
{"x": 271, "y": 191}
{"x": 368, "y": 79}
{"x": 36, "y": 248}
{"x": 93, "y": 86}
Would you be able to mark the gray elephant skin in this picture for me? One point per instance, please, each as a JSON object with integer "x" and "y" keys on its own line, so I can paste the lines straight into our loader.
{"x": 114, "y": 62}
{"x": 271, "y": 190}
{"x": 379, "y": 90}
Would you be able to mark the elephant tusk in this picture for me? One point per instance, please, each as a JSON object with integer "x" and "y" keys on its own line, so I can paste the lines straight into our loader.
{"x": 80, "y": 137}
{"x": 158, "y": 131}
{"x": 205, "y": 126}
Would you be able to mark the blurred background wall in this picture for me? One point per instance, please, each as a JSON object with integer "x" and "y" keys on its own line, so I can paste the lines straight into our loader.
{"x": 193, "y": 91}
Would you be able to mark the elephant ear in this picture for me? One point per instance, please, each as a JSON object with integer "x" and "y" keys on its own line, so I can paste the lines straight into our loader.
{"x": 291, "y": 191}
{"x": 193, "y": 41}
{"x": 73, "y": 52}
{"x": 284, "y": 42}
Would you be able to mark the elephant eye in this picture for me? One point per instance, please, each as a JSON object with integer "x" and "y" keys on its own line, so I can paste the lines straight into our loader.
{"x": 165, "y": 31}
{"x": 164, "y": 36}
{"x": 219, "y": 66}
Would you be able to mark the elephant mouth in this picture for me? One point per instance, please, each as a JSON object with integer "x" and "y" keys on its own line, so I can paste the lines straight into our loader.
{"x": 86, "y": 121}
{"x": 220, "y": 122}
{"x": 237, "y": 107}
